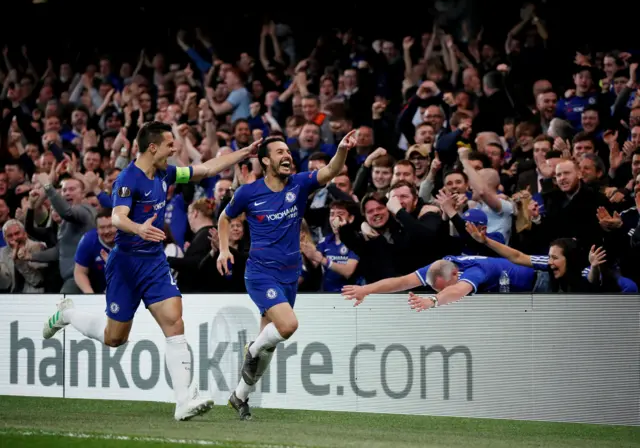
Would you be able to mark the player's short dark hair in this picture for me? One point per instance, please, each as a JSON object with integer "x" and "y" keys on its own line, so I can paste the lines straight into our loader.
{"x": 263, "y": 150}
{"x": 151, "y": 133}
{"x": 104, "y": 213}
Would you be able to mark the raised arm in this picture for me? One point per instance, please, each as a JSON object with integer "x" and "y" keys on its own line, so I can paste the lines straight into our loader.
{"x": 337, "y": 161}
{"x": 76, "y": 213}
{"x": 489, "y": 196}
{"x": 218, "y": 164}
{"x": 511, "y": 254}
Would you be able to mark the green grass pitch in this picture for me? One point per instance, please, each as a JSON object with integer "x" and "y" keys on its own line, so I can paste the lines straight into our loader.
{"x": 48, "y": 422}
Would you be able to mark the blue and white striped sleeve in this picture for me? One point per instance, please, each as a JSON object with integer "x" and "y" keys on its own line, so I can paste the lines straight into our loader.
{"x": 422, "y": 274}
{"x": 540, "y": 262}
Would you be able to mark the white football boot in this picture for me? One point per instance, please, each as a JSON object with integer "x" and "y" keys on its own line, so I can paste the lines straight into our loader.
{"x": 56, "y": 322}
{"x": 194, "y": 407}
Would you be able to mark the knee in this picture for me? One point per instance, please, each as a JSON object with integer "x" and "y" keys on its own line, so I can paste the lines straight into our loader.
{"x": 114, "y": 341}
{"x": 287, "y": 328}
{"x": 174, "y": 327}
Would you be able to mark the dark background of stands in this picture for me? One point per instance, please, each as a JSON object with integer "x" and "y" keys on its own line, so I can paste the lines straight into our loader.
{"x": 74, "y": 30}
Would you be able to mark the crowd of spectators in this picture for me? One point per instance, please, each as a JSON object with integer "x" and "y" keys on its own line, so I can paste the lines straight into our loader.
{"x": 451, "y": 130}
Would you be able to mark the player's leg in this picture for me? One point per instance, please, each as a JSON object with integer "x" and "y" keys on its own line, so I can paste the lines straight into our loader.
{"x": 92, "y": 325}
{"x": 122, "y": 302}
{"x": 266, "y": 355}
{"x": 168, "y": 314}
{"x": 163, "y": 299}
{"x": 272, "y": 299}
{"x": 243, "y": 389}
{"x": 278, "y": 323}
{"x": 283, "y": 323}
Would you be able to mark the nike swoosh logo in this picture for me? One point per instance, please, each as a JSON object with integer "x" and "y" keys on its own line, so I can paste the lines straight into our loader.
{"x": 147, "y": 194}
{"x": 259, "y": 203}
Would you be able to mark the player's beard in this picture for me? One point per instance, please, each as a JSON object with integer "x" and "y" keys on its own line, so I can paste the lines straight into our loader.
{"x": 278, "y": 173}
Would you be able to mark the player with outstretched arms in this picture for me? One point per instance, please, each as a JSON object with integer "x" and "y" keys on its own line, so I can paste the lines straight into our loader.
{"x": 452, "y": 278}
{"x": 137, "y": 268}
{"x": 274, "y": 206}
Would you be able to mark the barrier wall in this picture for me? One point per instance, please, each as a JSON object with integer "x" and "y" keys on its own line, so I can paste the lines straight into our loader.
{"x": 552, "y": 358}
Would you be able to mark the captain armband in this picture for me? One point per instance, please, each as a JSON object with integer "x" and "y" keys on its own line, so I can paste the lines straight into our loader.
{"x": 183, "y": 174}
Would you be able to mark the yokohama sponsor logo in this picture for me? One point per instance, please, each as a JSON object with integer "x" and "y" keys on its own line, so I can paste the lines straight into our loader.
{"x": 289, "y": 213}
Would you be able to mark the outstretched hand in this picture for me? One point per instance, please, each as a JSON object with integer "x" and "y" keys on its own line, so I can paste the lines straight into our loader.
{"x": 419, "y": 303}
{"x": 148, "y": 232}
{"x": 354, "y": 292}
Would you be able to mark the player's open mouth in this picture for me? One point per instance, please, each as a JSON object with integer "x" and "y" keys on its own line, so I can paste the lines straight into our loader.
{"x": 286, "y": 164}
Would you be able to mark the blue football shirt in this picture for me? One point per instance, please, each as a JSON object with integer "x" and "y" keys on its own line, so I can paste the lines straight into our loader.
{"x": 337, "y": 253}
{"x": 571, "y": 109}
{"x": 483, "y": 273}
{"x": 88, "y": 256}
{"x": 274, "y": 220}
{"x": 144, "y": 197}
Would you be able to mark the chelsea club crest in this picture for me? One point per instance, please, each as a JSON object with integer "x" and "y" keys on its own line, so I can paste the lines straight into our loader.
{"x": 290, "y": 196}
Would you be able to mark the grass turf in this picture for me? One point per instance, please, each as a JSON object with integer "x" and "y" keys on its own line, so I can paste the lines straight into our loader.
{"x": 47, "y": 422}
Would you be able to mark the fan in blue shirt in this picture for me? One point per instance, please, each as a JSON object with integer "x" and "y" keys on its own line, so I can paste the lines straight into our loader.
{"x": 338, "y": 261}
{"x": 91, "y": 254}
{"x": 452, "y": 278}
{"x": 563, "y": 267}
{"x": 571, "y": 108}
{"x": 137, "y": 269}
{"x": 274, "y": 207}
